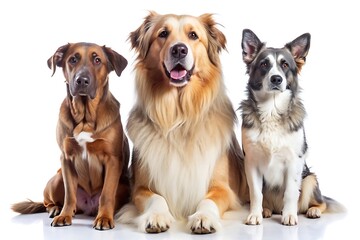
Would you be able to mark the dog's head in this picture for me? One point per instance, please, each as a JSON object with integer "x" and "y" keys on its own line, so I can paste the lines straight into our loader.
{"x": 86, "y": 66}
{"x": 175, "y": 48}
{"x": 273, "y": 70}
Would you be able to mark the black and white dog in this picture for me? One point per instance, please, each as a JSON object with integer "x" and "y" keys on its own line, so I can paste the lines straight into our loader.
{"x": 273, "y": 134}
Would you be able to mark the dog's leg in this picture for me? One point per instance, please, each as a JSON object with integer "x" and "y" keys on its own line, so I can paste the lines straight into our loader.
{"x": 70, "y": 183}
{"x": 156, "y": 216}
{"x": 291, "y": 194}
{"x": 105, "y": 217}
{"x": 54, "y": 193}
{"x": 255, "y": 182}
{"x": 206, "y": 219}
{"x": 219, "y": 199}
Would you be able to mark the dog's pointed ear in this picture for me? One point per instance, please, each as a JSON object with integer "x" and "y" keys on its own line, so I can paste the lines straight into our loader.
{"x": 299, "y": 49}
{"x": 139, "y": 39}
{"x": 251, "y": 45}
{"x": 116, "y": 61}
{"x": 217, "y": 40}
{"x": 57, "y": 58}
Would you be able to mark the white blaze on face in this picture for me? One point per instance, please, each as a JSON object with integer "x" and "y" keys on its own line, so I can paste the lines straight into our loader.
{"x": 275, "y": 70}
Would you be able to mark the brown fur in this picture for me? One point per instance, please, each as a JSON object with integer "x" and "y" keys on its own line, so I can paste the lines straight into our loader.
{"x": 88, "y": 108}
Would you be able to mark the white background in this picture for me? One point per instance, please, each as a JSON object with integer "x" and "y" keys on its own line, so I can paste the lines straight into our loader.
{"x": 31, "y": 31}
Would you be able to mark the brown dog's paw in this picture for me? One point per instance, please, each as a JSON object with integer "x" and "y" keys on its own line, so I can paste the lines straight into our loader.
{"x": 53, "y": 211}
{"x": 60, "y": 221}
{"x": 103, "y": 223}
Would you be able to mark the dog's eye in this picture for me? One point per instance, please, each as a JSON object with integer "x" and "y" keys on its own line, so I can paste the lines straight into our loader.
{"x": 73, "y": 60}
{"x": 193, "y": 36}
{"x": 264, "y": 64}
{"x": 97, "y": 60}
{"x": 284, "y": 64}
{"x": 164, "y": 34}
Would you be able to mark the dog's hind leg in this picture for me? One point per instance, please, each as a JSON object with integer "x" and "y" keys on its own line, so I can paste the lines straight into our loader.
{"x": 54, "y": 193}
{"x": 311, "y": 200}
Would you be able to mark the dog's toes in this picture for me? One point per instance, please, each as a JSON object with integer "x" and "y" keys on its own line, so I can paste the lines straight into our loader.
{"x": 54, "y": 211}
{"x": 103, "y": 223}
{"x": 267, "y": 213}
{"x": 203, "y": 223}
{"x": 254, "y": 219}
{"x": 289, "y": 219}
{"x": 60, "y": 221}
{"x": 158, "y": 223}
{"x": 313, "y": 212}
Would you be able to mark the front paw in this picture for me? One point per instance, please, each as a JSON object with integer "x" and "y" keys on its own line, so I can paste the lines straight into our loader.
{"x": 254, "y": 219}
{"x": 156, "y": 222}
{"x": 289, "y": 219}
{"x": 203, "y": 223}
{"x": 60, "y": 221}
{"x": 103, "y": 223}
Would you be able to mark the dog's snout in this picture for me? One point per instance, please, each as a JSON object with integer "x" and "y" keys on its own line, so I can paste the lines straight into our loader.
{"x": 179, "y": 50}
{"x": 82, "y": 80}
{"x": 276, "y": 80}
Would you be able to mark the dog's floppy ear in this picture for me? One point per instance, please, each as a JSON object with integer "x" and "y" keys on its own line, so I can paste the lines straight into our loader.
{"x": 251, "y": 46}
{"x": 57, "y": 58}
{"x": 217, "y": 40}
{"x": 140, "y": 40}
{"x": 299, "y": 49}
{"x": 116, "y": 61}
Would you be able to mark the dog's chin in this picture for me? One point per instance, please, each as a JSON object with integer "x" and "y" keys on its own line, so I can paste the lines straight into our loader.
{"x": 179, "y": 76}
{"x": 83, "y": 94}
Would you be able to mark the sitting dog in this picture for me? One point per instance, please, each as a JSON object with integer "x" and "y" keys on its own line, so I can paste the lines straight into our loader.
{"x": 95, "y": 151}
{"x": 187, "y": 163}
{"x": 273, "y": 135}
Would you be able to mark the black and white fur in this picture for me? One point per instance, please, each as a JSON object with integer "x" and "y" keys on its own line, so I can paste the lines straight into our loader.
{"x": 273, "y": 133}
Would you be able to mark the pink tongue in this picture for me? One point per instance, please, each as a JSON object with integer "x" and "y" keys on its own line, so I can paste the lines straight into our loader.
{"x": 175, "y": 74}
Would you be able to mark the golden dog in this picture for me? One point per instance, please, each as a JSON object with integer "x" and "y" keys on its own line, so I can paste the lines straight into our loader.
{"x": 186, "y": 160}
{"x": 95, "y": 151}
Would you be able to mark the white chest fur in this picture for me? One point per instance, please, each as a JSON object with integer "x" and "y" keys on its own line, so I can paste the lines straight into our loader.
{"x": 273, "y": 150}
{"x": 82, "y": 138}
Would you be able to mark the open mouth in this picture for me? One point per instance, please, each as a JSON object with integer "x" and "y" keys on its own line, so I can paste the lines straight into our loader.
{"x": 179, "y": 76}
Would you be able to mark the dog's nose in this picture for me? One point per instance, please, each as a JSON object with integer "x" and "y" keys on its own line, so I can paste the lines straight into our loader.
{"x": 179, "y": 50}
{"x": 276, "y": 80}
{"x": 82, "y": 81}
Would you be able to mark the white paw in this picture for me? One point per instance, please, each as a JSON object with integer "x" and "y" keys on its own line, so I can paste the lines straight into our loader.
{"x": 289, "y": 219}
{"x": 254, "y": 219}
{"x": 204, "y": 222}
{"x": 155, "y": 222}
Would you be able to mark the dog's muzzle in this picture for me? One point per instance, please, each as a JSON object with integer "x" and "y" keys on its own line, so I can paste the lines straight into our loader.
{"x": 83, "y": 84}
{"x": 177, "y": 69}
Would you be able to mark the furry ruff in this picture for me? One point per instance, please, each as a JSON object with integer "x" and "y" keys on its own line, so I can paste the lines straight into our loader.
{"x": 182, "y": 127}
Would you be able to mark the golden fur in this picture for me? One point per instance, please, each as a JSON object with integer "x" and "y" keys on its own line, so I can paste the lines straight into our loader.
{"x": 186, "y": 160}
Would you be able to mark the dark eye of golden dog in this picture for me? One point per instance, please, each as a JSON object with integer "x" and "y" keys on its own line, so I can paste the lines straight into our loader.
{"x": 164, "y": 34}
{"x": 193, "y": 35}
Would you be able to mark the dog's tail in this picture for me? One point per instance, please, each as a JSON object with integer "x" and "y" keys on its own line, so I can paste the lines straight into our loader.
{"x": 333, "y": 206}
{"x": 28, "y": 207}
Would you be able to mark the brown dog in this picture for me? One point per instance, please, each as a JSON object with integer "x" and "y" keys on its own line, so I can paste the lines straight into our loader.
{"x": 95, "y": 152}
